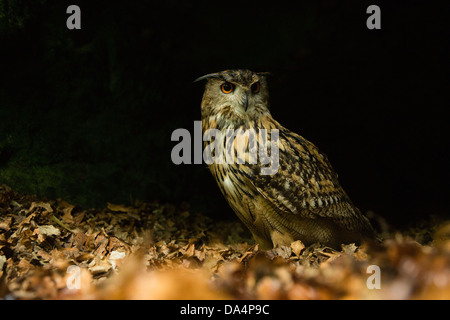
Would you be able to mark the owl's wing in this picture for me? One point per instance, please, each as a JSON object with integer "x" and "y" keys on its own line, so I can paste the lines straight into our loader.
{"x": 305, "y": 184}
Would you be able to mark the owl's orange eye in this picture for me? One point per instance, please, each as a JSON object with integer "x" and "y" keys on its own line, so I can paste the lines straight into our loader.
{"x": 256, "y": 87}
{"x": 227, "y": 87}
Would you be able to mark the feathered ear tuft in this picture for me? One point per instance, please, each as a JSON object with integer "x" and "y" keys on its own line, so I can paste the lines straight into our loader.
{"x": 208, "y": 76}
{"x": 264, "y": 74}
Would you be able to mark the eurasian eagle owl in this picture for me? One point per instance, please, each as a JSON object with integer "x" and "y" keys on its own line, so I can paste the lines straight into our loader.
{"x": 301, "y": 199}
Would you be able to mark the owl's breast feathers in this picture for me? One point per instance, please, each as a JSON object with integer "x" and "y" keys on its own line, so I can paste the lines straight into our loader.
{"x": 302, "y": 200}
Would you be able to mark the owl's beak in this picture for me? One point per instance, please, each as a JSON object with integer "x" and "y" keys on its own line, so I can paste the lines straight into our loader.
{"x": 245, "y": 102}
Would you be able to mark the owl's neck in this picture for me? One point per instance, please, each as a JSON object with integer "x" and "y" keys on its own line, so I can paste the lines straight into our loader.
{"x": 227, "y": 119}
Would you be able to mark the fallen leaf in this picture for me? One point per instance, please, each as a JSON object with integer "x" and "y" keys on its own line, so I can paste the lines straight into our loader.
{"x": 49, "y": 230}
{"x": 297, "y": 247}
{"x": 118, "y": 207}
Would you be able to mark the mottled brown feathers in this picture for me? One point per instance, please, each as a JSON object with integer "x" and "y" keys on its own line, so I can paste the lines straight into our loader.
{"x": 303, "y": 200}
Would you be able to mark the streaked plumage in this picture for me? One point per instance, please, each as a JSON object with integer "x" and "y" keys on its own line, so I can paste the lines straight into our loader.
{"x": 303, "y": 200}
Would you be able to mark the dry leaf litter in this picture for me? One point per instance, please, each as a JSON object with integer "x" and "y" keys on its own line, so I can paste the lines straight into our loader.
{"x": 55, "y": 250}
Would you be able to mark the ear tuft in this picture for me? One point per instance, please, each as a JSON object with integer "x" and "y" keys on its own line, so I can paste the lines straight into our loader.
{"x": 208, "y": 76}
{"x": 264, "y": 74}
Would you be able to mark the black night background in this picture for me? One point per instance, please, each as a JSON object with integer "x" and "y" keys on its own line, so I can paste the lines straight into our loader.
{"x": 87, "y": 115}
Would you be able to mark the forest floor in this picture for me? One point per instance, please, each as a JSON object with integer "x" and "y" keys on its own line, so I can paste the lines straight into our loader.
{"x": 55, "y": 250}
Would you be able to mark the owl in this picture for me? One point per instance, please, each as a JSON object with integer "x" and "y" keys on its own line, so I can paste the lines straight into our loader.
{"x": 300, "y": 200}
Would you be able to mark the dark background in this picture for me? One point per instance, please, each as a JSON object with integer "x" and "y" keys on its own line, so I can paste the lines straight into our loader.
{"x": 86, "y": 115}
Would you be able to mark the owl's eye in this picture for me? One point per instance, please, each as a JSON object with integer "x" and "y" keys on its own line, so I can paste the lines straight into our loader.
{"x": 227, "y": 87}
{"x": 256, "y": 87}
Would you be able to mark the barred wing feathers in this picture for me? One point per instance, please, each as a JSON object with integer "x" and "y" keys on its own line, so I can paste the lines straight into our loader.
{"x": 306, "y": 185}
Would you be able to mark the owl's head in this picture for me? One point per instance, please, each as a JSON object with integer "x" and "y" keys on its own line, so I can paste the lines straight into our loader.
{"x": 235, "y": 94}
